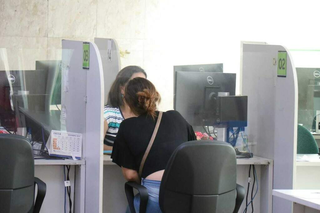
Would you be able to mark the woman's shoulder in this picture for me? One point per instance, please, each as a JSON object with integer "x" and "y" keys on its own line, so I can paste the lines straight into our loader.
{"x": 112, "y": 112}
{"x": 173, "y": 113}
{"x": 175, "y": 116}
{"x": 111, "y": 109}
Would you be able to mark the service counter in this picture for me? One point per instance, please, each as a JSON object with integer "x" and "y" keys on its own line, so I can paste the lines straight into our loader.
{"x": 114, "y": 199}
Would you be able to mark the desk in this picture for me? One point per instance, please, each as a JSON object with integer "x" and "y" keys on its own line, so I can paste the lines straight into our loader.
{"x": 51, "y": 172}
{"x": 114, "y": 199}
{"x": 316, "y": 135}
{"x": 307, "y": 201}
{"x": 307, "y": 172}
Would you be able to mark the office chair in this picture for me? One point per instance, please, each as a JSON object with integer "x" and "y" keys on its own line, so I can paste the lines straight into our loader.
{"x": 199, "y": 177}
{"x": 306, "y": 143}
{"x": 17, "y": 181}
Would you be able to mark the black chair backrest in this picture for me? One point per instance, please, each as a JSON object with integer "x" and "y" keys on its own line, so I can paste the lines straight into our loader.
{"x": 16, "y": 174}
{"x": 200, "y": 177}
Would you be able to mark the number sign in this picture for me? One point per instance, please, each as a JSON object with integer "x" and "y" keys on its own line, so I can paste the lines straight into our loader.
{"x": 282, "y": 64}
{"x": 86, "y": 55}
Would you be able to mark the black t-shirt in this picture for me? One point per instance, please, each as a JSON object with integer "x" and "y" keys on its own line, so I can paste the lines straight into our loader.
{"x": 134, "y": 135}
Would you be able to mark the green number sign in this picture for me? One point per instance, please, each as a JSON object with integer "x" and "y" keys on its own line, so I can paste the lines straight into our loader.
{"x": 282, "y": 64}
{"x": 86, "y": 55}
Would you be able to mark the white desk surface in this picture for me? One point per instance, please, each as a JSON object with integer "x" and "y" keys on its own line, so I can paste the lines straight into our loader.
{"x": 309, "y": 198}
{"x": 50, "y": 162}
{"x": 308, "y": 160}
{"x": 240, "y": 161}
{"x": 254, "y": 161}
{"x": 316, "y": 135}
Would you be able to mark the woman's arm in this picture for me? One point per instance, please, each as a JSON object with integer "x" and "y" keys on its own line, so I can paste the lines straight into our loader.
{"x": 130, "y": 175}
{"x": 105, "y": 129}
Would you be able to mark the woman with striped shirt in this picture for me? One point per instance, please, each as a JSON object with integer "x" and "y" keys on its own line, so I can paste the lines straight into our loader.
{"x": 116, "y": 109}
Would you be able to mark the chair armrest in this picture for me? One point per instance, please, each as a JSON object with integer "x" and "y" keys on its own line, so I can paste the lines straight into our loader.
{"x": 129, "y": 186}
{"x": 240, "y": 196}
{"x": 42, "y": 187}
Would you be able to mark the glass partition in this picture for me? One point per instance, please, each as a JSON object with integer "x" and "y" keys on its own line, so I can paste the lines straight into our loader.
{"x": 30, "y": 94}
{"x": 307, "y": 65}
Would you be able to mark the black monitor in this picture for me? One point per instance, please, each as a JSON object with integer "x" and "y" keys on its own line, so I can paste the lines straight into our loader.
{"x": 196, "y": 95}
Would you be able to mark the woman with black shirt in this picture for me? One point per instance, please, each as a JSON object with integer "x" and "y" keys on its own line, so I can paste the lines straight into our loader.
{"x": 134, "y": 136}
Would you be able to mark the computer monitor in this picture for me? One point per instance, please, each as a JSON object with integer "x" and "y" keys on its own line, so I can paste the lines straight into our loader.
{"x": 199, "y": 67}
{"x": 53, "y": 81}
{"x": 196, "y": 95}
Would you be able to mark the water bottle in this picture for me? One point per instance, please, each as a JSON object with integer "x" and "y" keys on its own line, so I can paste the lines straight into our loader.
{"x": 29, "y": 136}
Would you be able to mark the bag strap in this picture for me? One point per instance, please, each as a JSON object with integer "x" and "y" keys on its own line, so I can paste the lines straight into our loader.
{"x": 154, "y": 134}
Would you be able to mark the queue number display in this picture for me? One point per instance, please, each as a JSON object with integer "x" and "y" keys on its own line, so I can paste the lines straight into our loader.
{"x": 86, "y": 55}
{"x": 282, "y": 64}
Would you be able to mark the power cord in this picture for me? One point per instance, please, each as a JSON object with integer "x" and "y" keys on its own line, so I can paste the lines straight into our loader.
{"x": 255, "y": 180}
{"x": 67, "y": 188}
{"x": 248, "y": 187}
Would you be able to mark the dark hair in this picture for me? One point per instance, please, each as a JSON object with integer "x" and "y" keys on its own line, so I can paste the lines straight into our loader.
{"x": 114, "y": 96}
{"x": 142, "y": 96}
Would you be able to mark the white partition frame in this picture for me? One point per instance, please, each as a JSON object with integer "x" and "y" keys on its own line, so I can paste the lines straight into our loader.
{"x": 82, "y": 102}
{"x": 110, "y": 58}
{"x": 272, "y": 112}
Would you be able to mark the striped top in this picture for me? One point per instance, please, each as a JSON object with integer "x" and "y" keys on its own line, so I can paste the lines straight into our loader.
{"x": 114, "y": 118}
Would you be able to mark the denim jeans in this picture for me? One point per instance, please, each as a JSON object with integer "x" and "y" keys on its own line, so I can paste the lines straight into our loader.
{"x": 153, "y": 187}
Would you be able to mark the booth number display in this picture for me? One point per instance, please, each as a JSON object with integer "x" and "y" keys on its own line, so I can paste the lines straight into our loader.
{"x": 86, "y": 55}
{"x": 282, "y": 64}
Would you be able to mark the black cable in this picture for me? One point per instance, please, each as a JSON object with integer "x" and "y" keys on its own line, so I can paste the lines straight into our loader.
{"x": 213, "y": 132}
{"x": 248, "y": 188}
{"x": 69, "y": 189}
{"x": 74, "y": 187}
{"x": 254, "y": 181}
{"x": 206, "y": 131}
{"x": 7, "y": 130}
{"x": 58, "y": 107}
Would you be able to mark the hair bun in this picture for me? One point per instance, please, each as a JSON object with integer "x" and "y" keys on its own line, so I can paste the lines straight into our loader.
{"x": 142, "y": 97}
{"x": 147, "y": 100}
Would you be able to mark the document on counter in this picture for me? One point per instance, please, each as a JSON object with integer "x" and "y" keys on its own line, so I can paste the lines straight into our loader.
{"x": 65, "y": 144}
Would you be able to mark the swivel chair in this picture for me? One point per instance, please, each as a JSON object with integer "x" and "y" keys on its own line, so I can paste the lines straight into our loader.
{"x": 199, "y": 177}
{"x": 17, "y": 181}
{"x": 306, "y": 143}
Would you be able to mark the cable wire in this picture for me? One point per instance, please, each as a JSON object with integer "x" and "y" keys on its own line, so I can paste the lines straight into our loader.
{"x": 257, "y": 189}
{"x": 65, "y": 190}
{"x": 254, "y": 181}
{"x": 69, "y": 189}
{"x": 248, "y": 187}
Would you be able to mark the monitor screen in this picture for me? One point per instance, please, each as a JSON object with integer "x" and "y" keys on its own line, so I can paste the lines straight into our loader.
{"x": 233, "y": 108}
{"x": 195, "y": 94}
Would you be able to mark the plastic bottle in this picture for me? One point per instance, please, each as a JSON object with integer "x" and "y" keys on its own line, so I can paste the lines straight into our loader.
{"x": 29, "y": 135}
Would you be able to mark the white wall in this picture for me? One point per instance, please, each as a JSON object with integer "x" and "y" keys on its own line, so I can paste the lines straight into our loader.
{"x": 157, "y": 33}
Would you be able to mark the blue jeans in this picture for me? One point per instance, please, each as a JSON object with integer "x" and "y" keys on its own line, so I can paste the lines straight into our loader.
{"x": 153, "y": 187}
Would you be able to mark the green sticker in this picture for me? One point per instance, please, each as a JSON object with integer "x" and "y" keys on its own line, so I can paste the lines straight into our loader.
{"x": 282, "y": 64}
{"x": 86, "y": 55}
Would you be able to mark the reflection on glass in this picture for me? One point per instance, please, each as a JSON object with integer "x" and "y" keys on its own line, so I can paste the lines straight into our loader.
{"x": 30, "y": 99}
{"x": 309, "y": 97}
